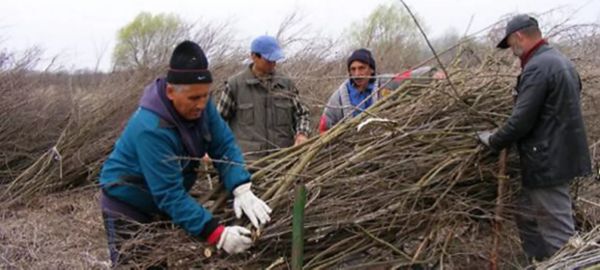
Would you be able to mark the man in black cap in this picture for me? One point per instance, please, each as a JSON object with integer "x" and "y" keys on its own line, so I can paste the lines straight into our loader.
{"x": 354, "y": 95}
{"x": 547, "y": 127}
{"x": 145, "y": 177}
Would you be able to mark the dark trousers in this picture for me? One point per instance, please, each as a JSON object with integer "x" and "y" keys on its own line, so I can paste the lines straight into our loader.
{"x": 123, "y": 225}
{"x": 545, "y": 220}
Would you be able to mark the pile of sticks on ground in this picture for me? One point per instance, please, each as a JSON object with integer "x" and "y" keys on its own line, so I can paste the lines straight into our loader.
{"x": 84, "y": 131}
{"x": 25, "y": 117}
{"x": 404, "y": 183}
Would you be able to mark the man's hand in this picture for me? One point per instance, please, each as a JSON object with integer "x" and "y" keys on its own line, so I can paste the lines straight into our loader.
{"x": 300, "y": 138}
{"x": 255, "y": 209}
{"x": 484, "y": 136}
{"x": 235, "y": 239}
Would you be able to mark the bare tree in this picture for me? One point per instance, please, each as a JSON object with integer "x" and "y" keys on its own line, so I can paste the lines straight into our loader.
{"x": 391, "y": 35}
{"x": 218, "y": 42}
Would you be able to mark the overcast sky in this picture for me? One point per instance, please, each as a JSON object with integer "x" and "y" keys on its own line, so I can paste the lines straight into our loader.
{"x": 81, "y": 32}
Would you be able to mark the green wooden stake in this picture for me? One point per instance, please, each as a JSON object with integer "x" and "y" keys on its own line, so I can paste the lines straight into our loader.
{"x": 298, "y": 228}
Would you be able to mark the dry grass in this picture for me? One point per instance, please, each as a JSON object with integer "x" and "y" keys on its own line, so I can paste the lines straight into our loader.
{"x": 59, "y": 231}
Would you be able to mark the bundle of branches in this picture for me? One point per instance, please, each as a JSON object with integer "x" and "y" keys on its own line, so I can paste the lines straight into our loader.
{"x": 580, "y": 253}
{"x": 29, "y": 117}
{"x": 404, "y": 183}
{"x": 89, "y": 128}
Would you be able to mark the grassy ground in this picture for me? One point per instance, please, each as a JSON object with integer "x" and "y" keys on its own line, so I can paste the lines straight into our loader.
{"x": 60, "y": 231}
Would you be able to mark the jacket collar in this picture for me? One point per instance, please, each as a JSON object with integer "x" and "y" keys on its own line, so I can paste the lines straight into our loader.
{"x": 527, "y": 56}
{"x": 155, "y": 100}
{"x": 250, "y": 78}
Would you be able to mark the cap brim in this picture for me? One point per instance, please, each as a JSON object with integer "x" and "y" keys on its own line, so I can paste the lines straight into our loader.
{"x": 274, "y": 56}
{"x": 503, "y": 43}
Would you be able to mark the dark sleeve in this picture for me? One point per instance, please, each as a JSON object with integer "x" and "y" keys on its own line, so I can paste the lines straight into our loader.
{"x": 531, "y": 95}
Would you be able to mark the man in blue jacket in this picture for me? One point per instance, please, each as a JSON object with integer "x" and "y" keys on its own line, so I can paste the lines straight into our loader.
{"x": 547, "y": 127}
{"x": 146, "y": 179}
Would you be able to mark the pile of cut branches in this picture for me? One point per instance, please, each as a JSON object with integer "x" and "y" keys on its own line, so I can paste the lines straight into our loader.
{"x": 85, "y": 131}
{"x": 404, "y": 183}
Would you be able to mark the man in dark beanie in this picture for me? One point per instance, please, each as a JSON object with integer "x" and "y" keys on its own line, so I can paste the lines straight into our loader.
{"x": 356, "y": 94}
{"x": 359, "y": 73}
{"x": 145, "y": 179}
{"x": 547, "y": 127}
{"x": 262, "y": 105}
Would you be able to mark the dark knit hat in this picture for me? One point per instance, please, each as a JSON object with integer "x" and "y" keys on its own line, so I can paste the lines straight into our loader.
{"x": 362, "y": 55}
{"x": 188, "y": 65}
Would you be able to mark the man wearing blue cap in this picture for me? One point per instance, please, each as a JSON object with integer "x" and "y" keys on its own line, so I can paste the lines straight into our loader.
{"x": 547, "y": 127}
{"x": 147, "y": 177}
{"x": 262, "y": 106}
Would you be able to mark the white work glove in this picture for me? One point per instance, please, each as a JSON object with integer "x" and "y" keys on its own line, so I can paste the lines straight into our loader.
{"x": 484, "y": 136}
{"x": 254, "y": 208}
{"x": 235, "y": 239}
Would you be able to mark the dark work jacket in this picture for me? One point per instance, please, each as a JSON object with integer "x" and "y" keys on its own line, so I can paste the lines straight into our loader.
{"x": 264, "y": 116}
{"x": 546, "y": 123}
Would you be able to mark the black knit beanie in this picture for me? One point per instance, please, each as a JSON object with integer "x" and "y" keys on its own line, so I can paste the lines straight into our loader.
{"x": 188, "y": 65}
{"x": 362, "y": 55}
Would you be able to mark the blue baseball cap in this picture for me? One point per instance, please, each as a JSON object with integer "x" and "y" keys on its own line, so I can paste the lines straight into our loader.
{"x": 267, "y": 47}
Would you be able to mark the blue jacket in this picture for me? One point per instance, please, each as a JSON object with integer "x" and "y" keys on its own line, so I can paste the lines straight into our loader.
{"x": 143, "y": 170}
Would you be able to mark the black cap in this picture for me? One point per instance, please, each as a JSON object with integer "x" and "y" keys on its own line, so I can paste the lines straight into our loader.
{"x": 363, "y": 55}
{"x": 188, "y": 65}
{"x": 515, "y": 24}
